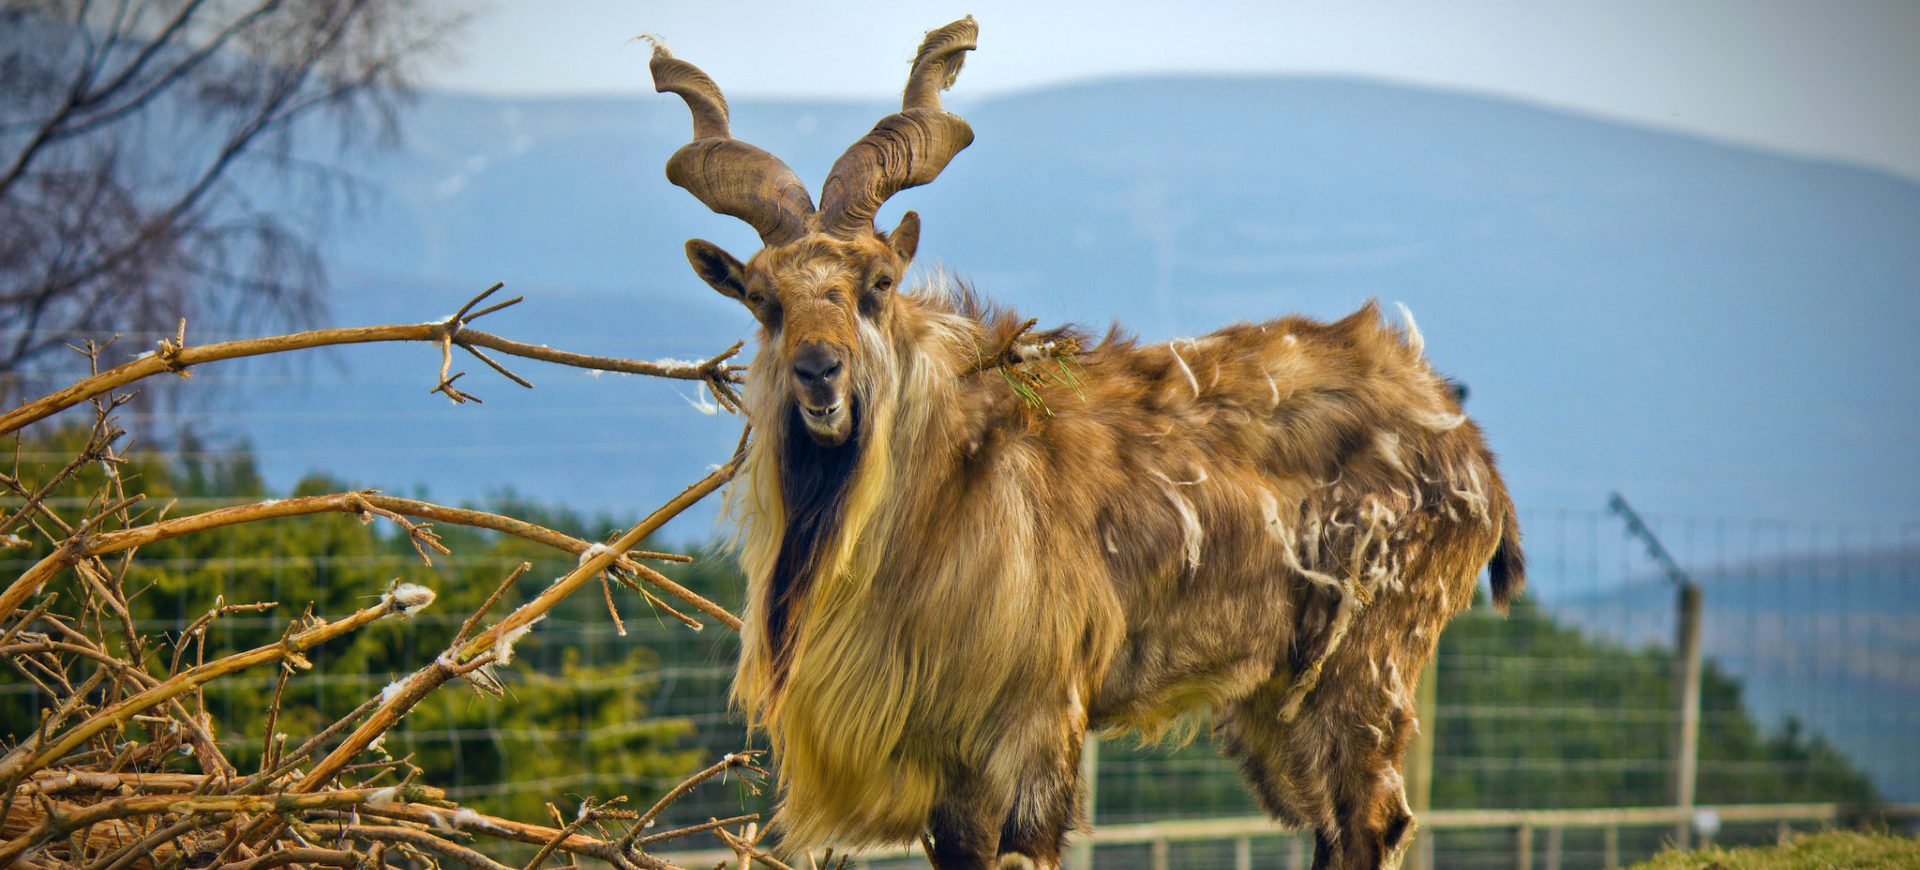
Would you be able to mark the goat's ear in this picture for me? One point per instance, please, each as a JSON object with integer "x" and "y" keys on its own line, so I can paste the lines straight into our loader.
{"x": 719, "y": 269}
{"x": 905, "y": 238}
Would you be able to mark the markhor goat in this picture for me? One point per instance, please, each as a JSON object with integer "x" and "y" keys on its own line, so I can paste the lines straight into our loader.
{"x": 952, "y": 579}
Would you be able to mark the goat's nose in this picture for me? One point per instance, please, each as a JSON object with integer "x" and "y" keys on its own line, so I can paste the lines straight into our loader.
{"x": 815, "y": 363}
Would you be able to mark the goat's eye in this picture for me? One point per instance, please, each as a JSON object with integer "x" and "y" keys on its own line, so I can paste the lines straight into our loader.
{"x": 754, "y": 298}
{"x": 883, "y": 283}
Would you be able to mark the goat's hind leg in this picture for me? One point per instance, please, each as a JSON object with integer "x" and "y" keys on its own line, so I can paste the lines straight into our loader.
{"x": 1334, "y": 769}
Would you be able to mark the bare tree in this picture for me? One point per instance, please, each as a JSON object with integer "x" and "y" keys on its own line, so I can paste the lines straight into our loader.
{"x": 158, "y": 158}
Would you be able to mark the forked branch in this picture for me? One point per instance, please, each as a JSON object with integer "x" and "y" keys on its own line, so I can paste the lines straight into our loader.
{"x": 176, "y": 356}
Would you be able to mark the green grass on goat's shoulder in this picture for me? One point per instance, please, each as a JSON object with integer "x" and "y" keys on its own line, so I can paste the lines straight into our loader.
{"x": 1835, "y": 850}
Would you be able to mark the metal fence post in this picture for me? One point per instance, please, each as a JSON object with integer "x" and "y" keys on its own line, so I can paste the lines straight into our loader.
{"x": 1554, "y": 835}
{"x": 1686, "y": 701}
{"x": 1160, "y": 855}
{"x": 1686, "y": 674}
{"x": 1523, "y": 848}
{"x": 1243, "y": 854}
{"x": 1610, "y": 847}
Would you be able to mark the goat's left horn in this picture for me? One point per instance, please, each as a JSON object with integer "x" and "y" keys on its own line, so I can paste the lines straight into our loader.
{"x": 908, "y": 148}
{"x": 729, "y": 176}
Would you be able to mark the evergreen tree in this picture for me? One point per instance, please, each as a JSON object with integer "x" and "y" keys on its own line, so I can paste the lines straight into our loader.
{"x": 575, "y": 720}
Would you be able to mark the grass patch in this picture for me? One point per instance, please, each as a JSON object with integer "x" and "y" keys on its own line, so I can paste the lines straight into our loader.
{"x": 1838, "y": 850}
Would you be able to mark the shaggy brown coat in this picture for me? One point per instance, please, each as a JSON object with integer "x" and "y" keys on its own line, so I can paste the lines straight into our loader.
{"x": 1273, "y": 521}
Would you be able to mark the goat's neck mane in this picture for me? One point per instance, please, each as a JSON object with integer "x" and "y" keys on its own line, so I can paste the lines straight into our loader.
{"x": 810, "y": 511}
{"x": 813, "y": 492}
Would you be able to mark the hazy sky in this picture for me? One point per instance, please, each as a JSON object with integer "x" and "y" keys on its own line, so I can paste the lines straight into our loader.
{"x": 1837, "y": 78}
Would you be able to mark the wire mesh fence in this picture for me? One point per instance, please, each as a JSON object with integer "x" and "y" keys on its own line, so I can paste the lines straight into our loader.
{"x": 1811, "y": 691}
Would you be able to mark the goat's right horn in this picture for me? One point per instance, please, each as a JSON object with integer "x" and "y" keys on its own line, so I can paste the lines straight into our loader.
{"x": 729, "y": 176}
{"x": 907, "y": 148}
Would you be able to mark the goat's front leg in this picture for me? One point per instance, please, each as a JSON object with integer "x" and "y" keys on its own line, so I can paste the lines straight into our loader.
{"x": 1046, "y": 805}
{"x": 965, "y": 824}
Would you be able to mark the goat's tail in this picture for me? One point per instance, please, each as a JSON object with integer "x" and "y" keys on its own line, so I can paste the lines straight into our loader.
{"x": 1507, "y": 572}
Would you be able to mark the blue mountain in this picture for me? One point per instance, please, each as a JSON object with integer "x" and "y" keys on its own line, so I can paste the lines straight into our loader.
{"x": 1711, "y": 328}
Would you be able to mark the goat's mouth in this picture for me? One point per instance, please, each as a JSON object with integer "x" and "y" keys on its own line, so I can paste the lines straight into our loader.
{"x": 830, "y": 424}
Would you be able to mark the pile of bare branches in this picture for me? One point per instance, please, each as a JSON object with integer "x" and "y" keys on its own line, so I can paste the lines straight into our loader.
{"x": 85, "y": 791}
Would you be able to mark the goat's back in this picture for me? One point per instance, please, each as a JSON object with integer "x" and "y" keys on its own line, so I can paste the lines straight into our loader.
{"x": 1252, "y": 489}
